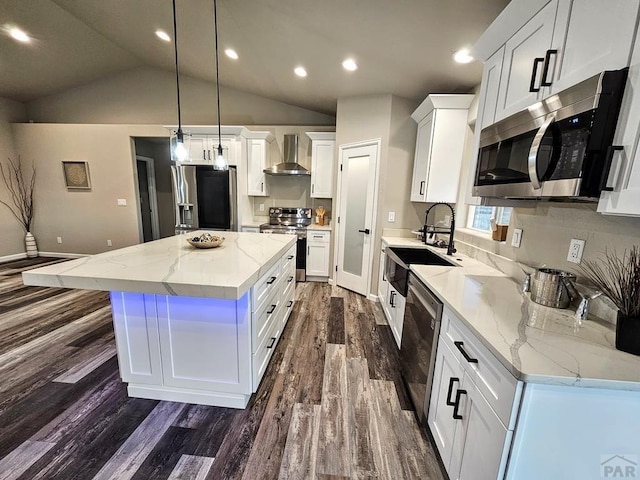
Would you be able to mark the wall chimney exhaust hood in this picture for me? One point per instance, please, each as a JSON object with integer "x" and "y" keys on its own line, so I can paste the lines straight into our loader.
{"x": 289, "y": 165}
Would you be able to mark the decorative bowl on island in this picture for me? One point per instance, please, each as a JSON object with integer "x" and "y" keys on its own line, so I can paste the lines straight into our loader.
{"x": 206, "y": 240}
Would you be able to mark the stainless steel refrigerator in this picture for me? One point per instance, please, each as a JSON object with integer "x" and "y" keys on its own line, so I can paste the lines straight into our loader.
{"x": 204, "y": 198}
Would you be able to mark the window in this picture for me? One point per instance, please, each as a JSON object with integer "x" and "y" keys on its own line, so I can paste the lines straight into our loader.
{"x": 480, "y": 217}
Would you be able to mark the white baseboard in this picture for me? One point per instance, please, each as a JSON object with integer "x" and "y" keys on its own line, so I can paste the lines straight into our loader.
{"x": 61, "y": 255}
{"x": 372, "y": 297}
{"x": 11, "y": 258}
{"x": 330, "y": 281}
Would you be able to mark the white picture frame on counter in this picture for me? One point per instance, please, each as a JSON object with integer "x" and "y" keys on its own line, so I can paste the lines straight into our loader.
{"x": 76, "y": 175}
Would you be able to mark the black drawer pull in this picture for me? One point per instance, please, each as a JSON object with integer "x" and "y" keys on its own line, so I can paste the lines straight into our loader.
{"x": 452, "y": 380}
{"x": 290, "y": 303}
{"x": 456, "y": 415}
{"x": 290, "y": 279}
{"x": 271, "y": 310}
{"x": 290, "y": 257}
{"x": 422, "y": 187}
{"x": 534, "y": 74}
{"x": 273, "y": 340}
{"x": 459, "y": 346}
{"x": 271, "y": 280}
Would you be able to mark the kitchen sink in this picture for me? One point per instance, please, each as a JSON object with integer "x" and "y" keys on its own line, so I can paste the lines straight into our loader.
{"x": 420, "y": 256}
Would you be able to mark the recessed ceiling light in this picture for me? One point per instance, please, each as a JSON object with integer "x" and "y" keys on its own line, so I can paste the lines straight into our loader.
{"x": 231, "y": 53}
{"x": 462, "y": 56}
{"x": 300, "y": 71}
{"x": 162, "y": 35}
{"x": 19, "y": 35}
{"x": 350, "y": 64}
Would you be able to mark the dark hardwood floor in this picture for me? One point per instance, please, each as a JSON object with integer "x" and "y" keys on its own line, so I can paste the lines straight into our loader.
{"x": 331, "y": 404}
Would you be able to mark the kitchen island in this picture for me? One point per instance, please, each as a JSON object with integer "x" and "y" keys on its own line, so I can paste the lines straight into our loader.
{"x": 191, "y": 325}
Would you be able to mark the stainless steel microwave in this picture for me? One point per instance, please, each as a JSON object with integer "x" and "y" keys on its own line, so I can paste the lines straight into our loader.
{"x": 558, "y": 148}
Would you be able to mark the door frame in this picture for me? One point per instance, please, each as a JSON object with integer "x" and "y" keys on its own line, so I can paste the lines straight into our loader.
{"x": 153, "y": 197}
{"x": 377, "y": 142}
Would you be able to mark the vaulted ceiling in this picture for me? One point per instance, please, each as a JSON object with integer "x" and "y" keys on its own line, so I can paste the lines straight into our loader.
{"x": 402, "y": 47}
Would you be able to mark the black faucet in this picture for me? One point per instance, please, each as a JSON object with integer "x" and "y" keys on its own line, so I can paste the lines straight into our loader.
{"x": 450, "y": 248}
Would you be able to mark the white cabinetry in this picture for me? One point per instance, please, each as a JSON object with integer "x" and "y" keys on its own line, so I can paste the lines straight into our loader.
{"x": 472, "y": 405}
{"x": 203, "y": 149}
{"x": 524, "y": 63}
{"x": 318, "y": 246}
{"x": 383, "y": 283}
{"x": 442, "y": 127}
{"x": 392, "y": 303}
{"x": 563, "y": 43}
{"x": 624, "y": 177}
{"x": 258, "y": 155}
{"x": 322, "y": 163}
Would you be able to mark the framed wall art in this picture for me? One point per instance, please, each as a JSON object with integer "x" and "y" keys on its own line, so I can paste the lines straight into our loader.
{"x": 76, "y": 175}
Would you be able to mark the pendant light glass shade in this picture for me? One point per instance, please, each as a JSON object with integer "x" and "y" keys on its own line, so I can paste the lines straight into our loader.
{"x": 220, "y": 163}
{"x": 180, "y": 146}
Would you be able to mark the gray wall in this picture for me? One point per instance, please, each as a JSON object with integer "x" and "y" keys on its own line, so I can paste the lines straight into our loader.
{"x": 11, "y": 233}
{"x": 148, "y": 96}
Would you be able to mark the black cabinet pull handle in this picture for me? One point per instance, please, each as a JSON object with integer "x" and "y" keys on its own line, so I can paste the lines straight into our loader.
{"x": 271, "y": 310}
{"x": 290, "y": 303}
{"x": 290, "y": 279}
{"x": 273, "y": 340}
{"x": 366, "y": 230}
{"x": 312, "y": 185}
{"x": 534, "y": 74}
{"x": 271, "y": 280}
{"x": 262, "y": 186}
{"x": 460, "y": 347}
{"x": 608, "y": 161}
{"x": 290, "y": 257}
{"x": 392, "y": 297}
{"x": 545, "y": 71}
{"x": 422, "y": 184}
{"x": 456, "y": 406}
{"x": 204, "y": 154}
{"x": 452, "y": 380}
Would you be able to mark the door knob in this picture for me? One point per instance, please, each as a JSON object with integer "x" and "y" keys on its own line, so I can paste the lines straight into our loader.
{"x": 366, "y": 230}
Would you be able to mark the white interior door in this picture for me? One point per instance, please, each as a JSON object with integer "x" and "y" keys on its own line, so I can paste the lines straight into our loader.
{"x": 357, "y": 184}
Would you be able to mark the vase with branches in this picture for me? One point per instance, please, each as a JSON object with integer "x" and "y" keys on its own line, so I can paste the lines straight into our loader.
{"x": 618, "y": 277}
{"x": 20, "y": 186}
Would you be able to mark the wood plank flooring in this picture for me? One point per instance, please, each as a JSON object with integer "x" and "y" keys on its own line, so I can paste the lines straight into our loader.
{"x": 330, "y": 406}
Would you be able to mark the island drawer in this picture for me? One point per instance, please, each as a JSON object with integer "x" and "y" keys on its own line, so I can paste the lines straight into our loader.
{"x": 289, "y": 260}
{"x": 498, "y": 386}
{"x": 265, "y": 317}
{"x": 263, "y": 353}
{"x": 287, "y": 303}
{"x": 265, "y": 286}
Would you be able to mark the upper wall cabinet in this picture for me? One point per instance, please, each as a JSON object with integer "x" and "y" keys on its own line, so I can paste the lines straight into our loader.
{"x": 563, "y": 43}
{"x": 258, "y": 149}
{"x": 204, "y": 149}
{"x": 624, "y": 177}
{"x": 322, "y": 163}
{"x": 442, "y": 127}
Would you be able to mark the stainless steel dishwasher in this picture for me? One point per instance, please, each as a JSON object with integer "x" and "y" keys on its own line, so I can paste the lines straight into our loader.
{"x": 422, "y": 318}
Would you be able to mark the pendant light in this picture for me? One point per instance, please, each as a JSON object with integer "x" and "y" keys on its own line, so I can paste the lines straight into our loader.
{"x": 179, "y": 139}
{"x": 221, "y": 162}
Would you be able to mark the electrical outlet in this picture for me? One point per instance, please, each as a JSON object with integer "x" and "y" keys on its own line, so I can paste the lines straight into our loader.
{"x": 109, "y": 244}
{"x": 59, "y": 239}
{"x": 392, "y": 216}
{"x": 576, "y": 247}
{"x": 516, "y": 239}
{"x": 262, "y": 207}
{"x": 122, "y": 202}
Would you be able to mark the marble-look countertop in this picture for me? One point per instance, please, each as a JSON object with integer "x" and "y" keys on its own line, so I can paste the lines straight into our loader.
{"x": 535, "y": 343}
{"x": 171, "y": 266}
{"x": 313, "y": 226}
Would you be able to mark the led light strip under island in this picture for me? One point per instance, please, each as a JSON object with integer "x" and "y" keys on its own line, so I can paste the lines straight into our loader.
{"x": 191, "y": 325}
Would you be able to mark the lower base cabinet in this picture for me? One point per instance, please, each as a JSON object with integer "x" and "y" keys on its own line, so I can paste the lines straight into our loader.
{"x": 318, "y": 246}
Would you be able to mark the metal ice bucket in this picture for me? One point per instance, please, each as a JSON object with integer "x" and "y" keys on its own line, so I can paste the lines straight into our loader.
{"x": 553, "y": 288}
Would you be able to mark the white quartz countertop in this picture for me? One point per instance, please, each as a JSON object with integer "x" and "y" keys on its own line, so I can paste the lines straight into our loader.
{"x": 314, "y": 226}
{"x": 171, "y": 266}
{"x": 536, "y": 343}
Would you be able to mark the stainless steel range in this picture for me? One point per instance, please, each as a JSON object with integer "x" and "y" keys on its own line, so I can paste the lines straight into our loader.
{"x": 291, "y": 221}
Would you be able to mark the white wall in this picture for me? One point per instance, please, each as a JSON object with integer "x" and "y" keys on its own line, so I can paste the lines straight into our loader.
{"x": 148, "y": 96}
{"x": 11, "y": 233}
